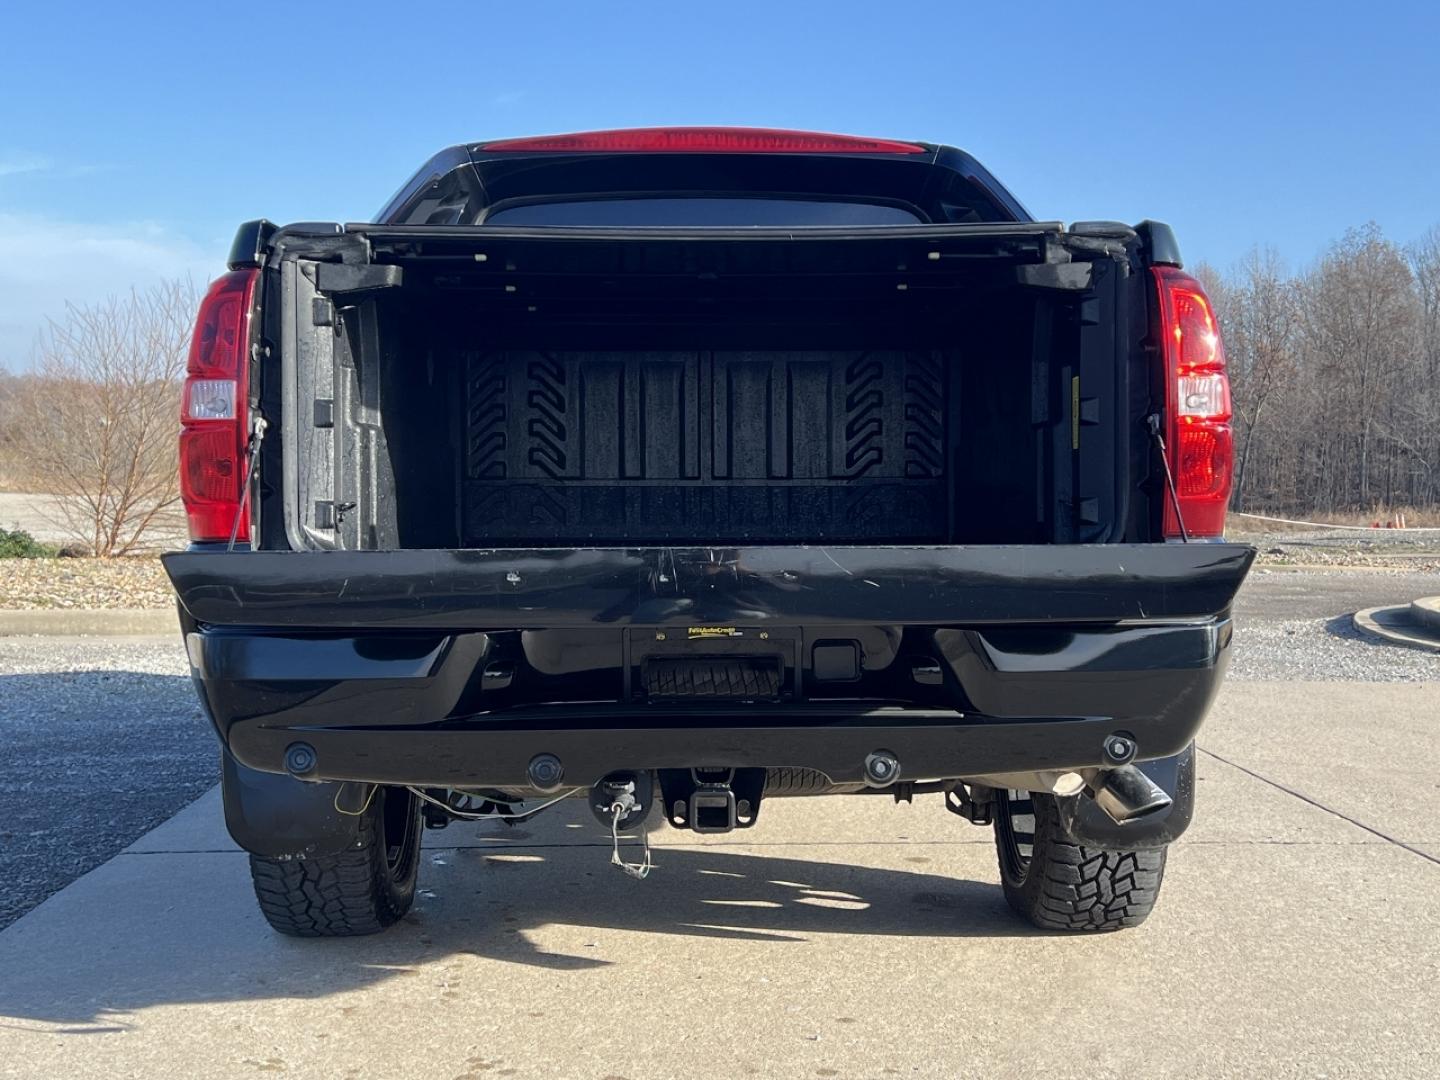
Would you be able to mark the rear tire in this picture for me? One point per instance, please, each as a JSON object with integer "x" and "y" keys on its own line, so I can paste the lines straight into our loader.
{"x": 359, "y": 891}
{"x": 1060, "y": 885}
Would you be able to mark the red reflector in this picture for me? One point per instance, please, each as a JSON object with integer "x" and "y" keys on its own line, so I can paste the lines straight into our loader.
{"x": 214, "y": 416}
{"x": 705, "y": 140}
{"x": 1198, "y": 440}
{"x": 211, "y": 467}
{"x": 1203, "y": 455}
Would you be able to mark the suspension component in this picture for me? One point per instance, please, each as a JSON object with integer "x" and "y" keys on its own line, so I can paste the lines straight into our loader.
{"x": 973, "y": 802}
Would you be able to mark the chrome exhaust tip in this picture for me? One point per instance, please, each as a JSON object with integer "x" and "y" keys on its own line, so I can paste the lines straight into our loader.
{"x": 1127, "y": 794}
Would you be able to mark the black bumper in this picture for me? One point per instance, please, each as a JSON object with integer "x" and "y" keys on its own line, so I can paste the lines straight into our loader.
{"x": 455, "y": 668}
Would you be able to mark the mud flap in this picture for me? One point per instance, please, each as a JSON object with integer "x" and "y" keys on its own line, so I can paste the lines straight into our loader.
{"x": 1086, "y": 824}
{"x": 274, "y": 815}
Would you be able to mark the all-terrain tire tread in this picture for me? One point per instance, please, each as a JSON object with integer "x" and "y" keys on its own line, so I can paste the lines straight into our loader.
{"x": 1068, "y": 886}
{"x": 345, "y": 895}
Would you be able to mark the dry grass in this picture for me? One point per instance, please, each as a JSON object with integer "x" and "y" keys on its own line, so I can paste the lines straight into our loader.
{"x": 1414, "y": 517}
{"x": 131, "y": 582}
{"x": 14, "y": 479}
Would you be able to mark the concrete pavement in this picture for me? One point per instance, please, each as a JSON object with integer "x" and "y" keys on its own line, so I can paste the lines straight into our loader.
{"x": 1298, "y": 934}
{"x": 1278, "y": 593}
{"x": 114, "y": 622}
{"x": 1416, "y": 624}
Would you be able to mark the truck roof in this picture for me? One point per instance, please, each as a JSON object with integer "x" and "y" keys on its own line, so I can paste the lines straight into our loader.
{"x": 934, "y": 183}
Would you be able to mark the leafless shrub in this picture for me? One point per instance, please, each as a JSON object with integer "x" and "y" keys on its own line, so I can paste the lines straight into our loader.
{"x": 95, "y": 424}
{"x": 9, "y": 384}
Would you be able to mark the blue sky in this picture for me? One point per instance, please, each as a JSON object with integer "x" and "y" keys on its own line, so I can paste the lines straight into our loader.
{"x": 133, "y": 138}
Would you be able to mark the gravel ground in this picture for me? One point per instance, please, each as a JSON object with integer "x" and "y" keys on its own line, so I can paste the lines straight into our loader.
{"x": 1325, "y": 649}
{"x": 135, "y": 582}
{"x": 1396, "y": 557}
{"x": 1295, "y": 624}
{"x": 1397, "y": 549}
{"x": 103, "y": 740}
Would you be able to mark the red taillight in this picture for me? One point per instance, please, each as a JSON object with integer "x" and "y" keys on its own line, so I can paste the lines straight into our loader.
{"x": 705, "y": 140}
{"x": 1198, "y": 441}
{"x": 213, "y": 411}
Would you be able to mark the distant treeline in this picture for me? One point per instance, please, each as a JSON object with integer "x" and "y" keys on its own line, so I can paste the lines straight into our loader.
{"x": 1336, "y": 375}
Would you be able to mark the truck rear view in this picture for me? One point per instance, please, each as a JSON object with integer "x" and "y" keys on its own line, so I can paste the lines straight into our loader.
{"x": 679, "y": 469}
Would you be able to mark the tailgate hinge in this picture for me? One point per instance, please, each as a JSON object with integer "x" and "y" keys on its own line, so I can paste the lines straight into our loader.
{"x": 342, "y": 278}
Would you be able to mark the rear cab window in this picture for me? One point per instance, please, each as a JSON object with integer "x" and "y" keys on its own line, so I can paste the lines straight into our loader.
{"x": 700, "y": 211}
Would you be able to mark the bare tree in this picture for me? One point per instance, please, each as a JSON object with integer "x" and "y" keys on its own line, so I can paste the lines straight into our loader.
{"x": 1336, "y": 376}
{"x": 1359, "y": 332}
{"x": 96, "y": 424}
{"x": 1425, "y": 265}
{"x": 1259, "y": 315}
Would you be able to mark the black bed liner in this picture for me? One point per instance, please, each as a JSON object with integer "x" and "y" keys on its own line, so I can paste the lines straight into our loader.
{"x": 706, "y": 446}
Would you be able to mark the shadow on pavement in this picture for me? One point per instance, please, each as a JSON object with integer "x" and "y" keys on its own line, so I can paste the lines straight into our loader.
{"x": 195, "y": 936}
{"x": 1343, "y": 626}
{"x": 92, "y": 759}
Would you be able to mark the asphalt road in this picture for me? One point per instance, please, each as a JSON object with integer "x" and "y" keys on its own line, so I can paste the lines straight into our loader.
{"x": 100, "y": 740}
{"x": 1278, "y": 594}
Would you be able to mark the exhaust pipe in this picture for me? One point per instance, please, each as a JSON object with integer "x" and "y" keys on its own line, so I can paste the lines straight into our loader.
{"x": 1127, "y": 794}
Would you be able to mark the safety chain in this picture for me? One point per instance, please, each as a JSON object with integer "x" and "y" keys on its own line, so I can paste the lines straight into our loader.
{"x": 641, "y": 870}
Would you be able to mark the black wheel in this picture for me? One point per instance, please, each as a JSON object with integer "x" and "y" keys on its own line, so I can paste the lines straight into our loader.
{"x": 360, "y": 891}
{"x": 1060, "y": 885}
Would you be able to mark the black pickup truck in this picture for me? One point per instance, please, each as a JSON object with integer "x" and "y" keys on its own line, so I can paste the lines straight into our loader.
{"x": 680, "y": 469}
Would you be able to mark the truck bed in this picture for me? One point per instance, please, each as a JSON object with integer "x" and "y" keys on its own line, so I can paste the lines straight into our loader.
{"x": 962, "y": 385}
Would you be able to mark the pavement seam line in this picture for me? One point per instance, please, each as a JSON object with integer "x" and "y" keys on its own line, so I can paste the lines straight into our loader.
{"x": 519, "y": 846}
{"x": 1321, "y": 806}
